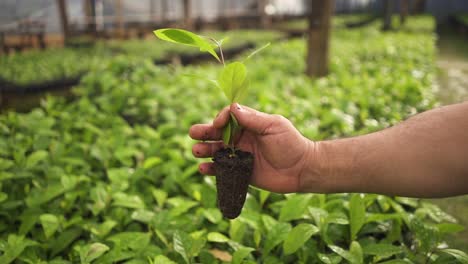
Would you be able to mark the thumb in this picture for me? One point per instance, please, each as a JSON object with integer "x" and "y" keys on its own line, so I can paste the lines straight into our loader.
{"x": 251, "y": 119}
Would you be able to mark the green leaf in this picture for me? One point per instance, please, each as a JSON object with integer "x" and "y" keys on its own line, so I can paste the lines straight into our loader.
{"x": 28, "y": 220}
{"x": 241, "y": 254}
{"x": 427, "y": 235}
{"x": 354, "y": 256}
{"x": 183, "y": 245}
{"x": 180, "y": 205}
{"x": 130, "y": 240}
{"x": 298, "y": 236}
{"x": 329, "y": 259}
{"x": 233, "y": 81}
{"x": 14, "y": 247}
{"x": 356, "y": 251}
{"x": 227, "y": 133}
{"x": 263, "y": 196}
{"x": 295, "y": 207}
{"x": 151, "y": 162}
{"x": 3, "y": 196}
{"x": 50, "y": 224}
{"x": 185, "y": 37}
{"x": 446, "y": 228}
{"x": 143, "y": 216}
{"x": 161, "y": 259}
{"x": 91, "y": 252}
{"x": 36, "y": 157}
{"x": 213, "y": 215}
{"x": 382, "y": 250}
{"x": 357, "y": 214}
{"x": 64, "y": 240}
{"x": 457, "y": 254}
{"x": 231, "y": 130}
{"x": 160, "y": 196}
{"x": 275, "y": 236}
{"x": 397, "y": 261}
{"x": 237, "y": 230}
{"x": 217, "y": 237}
{"x": 198, "y": 242}
{"x": 128, "y": 201}
{"x": 103, "y": 229}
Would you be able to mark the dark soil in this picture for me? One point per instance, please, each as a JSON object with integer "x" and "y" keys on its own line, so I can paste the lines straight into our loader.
{"x": 233, "y": 173}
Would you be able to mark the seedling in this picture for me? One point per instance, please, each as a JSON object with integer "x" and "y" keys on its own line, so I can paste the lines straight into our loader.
{"x": 233, "y": 167}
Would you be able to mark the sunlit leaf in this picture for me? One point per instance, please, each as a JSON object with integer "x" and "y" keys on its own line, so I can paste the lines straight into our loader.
{"x": 298, "y": 236}
{"x": 185, "y": 37}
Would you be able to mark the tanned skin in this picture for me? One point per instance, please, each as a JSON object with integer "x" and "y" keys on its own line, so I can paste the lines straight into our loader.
{"x": 424, "y": 156}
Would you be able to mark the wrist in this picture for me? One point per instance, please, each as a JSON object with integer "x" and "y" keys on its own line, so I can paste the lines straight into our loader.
{"x": 331, "y": 167}
{"x": 312, "y": 176}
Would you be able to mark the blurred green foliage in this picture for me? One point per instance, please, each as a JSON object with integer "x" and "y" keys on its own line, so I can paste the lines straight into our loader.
{"x": 111, "y": 178}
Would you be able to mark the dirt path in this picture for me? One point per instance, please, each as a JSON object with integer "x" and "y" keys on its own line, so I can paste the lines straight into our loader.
{"x": 452, "y": 82}
{"x": 452, "y": 79}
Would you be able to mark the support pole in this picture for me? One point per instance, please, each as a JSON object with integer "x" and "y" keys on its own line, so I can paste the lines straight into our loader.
{"x": 319, "y": 35}
{"x": 62, "y": 9}
{"x": 188, "y": 22}
{"x": 119, "y": 22}
{"x": 387, "y": 15}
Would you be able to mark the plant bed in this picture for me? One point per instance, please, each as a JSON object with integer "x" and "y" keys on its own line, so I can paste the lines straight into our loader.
{"x": 194, "y": 58}
{"x": 362, "y": 22}
{"x": 25, "y": 97}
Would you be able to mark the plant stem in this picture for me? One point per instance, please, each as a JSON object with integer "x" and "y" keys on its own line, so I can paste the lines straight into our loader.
{"x": 220, "y": 50}
{"x": 222, "y": 55}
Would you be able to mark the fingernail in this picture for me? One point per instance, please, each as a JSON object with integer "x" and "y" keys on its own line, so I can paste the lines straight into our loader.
{"x": 238, "y": 106}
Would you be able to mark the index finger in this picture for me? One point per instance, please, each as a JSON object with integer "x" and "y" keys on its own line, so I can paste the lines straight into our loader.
{"x": 222, "y": 118}
{"x": 205, "y": 132}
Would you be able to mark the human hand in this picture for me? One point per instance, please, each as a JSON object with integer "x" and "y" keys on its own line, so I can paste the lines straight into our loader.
{"x": 280, "y": 152}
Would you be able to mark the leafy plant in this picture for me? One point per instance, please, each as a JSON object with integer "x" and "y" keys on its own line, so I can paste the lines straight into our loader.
{"x": 232, "y": 79}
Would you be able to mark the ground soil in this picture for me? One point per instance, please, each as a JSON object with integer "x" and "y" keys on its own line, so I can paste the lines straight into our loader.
{"x": 233, "y": 172}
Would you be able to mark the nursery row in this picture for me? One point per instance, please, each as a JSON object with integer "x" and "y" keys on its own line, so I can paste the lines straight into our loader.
{"x": 38, "y": 67}
{"x": 110, "y": 177}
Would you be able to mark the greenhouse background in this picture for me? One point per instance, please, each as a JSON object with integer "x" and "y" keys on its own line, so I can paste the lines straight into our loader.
{"x": 97, "y": 164}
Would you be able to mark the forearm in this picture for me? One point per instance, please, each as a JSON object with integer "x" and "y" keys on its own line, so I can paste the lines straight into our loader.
{"x": 425, "y": 156}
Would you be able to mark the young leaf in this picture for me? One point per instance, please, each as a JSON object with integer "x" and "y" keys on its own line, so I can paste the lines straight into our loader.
{"x": 446, "y": 228}
{"x": 213, "y": 215}
{"x": 457, "y": 254}
{"x": 357, "y": 214}
{"x": 50, "y": 224}
{"x": 382, "y": 250}
{"x": 295, "y": 207}
{"x": 161, "y": 259}
{"x": 241, "y": 254}
{"x": 14, "y": 247}
{"x": 356, "y": 251}
{"x": 233, "y": 81}
{"x": 298, "y": 236}
{"x": 91, "y": 252}
{"x": 353, "y": 256}
{"x": 185, "y": 37}
{"x": 183, "y": 245}
{"x": 217, "y": 237}
{"x": 276, "y": 235}
{"x": 227, "y": 133}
